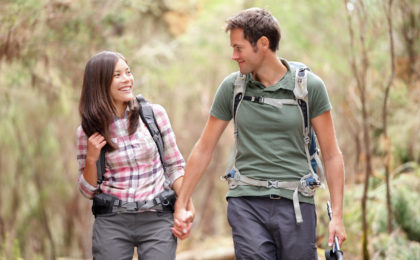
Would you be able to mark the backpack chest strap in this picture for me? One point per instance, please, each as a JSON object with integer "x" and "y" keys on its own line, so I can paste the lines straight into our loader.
{"x": 271, "y": 101}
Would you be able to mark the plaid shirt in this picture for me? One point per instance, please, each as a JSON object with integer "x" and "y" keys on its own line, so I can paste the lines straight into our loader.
{"x": 134, "y": 171}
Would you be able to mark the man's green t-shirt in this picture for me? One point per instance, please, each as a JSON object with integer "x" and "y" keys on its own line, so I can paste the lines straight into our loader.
{"x": 270, "y": 139}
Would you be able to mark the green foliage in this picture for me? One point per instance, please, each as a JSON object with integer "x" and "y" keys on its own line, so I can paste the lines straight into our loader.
{"x": 406, "y": 204}
{"x": 403, "y": 242}
{"x": 395, "y": 246}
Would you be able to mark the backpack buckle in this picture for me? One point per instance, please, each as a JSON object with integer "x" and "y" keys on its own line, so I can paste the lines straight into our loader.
{"x": 232, "y": 177}
{"x": 165, "y": 202}
{"x": 308, "y": 184}
{"x": 130, "y": 206}
{"x": 272, "y": 184}
{"x": 259, "y": 100}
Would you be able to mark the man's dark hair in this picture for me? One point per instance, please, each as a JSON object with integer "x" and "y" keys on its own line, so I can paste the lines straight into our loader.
{"x": 255, "y": 23}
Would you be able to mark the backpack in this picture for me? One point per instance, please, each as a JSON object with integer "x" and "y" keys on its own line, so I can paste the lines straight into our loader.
{"x": 308, "y": 183}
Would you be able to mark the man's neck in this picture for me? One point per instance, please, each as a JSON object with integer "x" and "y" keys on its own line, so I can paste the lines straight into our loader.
{"x": 271, "y": 71}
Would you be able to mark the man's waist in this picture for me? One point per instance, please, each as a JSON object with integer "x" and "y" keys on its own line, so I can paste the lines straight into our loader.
{"x": 253, "y": 191}
{"x": 275, "y": 175}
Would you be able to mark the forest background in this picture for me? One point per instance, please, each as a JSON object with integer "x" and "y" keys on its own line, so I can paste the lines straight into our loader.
{"x": 367, "y": 52}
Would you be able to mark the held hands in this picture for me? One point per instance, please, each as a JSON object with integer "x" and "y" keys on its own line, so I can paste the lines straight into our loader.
{"x": 183, "y": 218}
{"x": 95, "y": 143}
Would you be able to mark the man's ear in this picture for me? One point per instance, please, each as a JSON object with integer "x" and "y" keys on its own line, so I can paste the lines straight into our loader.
{"x": 263, "y": 43}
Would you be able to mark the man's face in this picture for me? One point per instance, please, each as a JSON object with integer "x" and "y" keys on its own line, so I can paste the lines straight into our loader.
{"x": 248, "y": 58}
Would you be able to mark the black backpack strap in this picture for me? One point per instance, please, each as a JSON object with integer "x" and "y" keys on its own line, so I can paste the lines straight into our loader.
{"x": 148, "y": 117}
{"x": 100, "y": 166}
{"x": 237, "y": 100}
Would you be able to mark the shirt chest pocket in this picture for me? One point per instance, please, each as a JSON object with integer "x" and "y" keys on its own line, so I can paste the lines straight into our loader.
{"x": 143, "y": 147}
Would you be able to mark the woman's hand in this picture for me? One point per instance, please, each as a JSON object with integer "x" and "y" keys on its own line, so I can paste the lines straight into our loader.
{"x": 94, "y": 146}
{"x": 95, "y": 143}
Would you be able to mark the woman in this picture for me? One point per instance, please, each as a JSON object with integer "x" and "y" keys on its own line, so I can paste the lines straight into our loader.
{"x": 127, "y": 212}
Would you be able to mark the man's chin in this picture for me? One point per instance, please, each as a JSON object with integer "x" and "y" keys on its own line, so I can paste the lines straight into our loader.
{"x": 243, "y": 71}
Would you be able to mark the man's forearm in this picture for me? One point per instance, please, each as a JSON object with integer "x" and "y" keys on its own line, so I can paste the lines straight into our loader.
{"x": 334, "y": 169}
{"x": 200, "y": 158}
{"x": 194, "y": 170}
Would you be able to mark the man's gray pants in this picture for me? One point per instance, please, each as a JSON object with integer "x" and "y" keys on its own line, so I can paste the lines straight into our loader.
{"x": 265, "y": 228}
{"x": 116, "y": 235}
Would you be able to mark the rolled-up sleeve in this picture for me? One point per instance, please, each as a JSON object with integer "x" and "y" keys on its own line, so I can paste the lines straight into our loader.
{"x": 85, "y": 188}
{"x": 175, "y": 163}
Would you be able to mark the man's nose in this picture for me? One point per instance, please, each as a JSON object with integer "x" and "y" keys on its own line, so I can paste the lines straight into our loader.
{"x": 235, "y": 56}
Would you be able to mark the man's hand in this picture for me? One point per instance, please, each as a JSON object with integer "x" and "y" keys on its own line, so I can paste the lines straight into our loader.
{"x": 336, "y": 228}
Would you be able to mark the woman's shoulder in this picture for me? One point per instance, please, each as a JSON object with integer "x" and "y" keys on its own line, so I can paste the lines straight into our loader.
{"x": 81, "y": 135}
{"x": 79, "y": 131}
{"x": 158, "y": 109}
{"x": 161, "y": 116}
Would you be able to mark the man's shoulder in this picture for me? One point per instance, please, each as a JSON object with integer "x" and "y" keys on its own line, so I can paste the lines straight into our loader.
{"x": 312, "y": 77}
{"x": 314, "y": 81}
{"x": 230, "y": 79}
{"x": 227, "y": 85}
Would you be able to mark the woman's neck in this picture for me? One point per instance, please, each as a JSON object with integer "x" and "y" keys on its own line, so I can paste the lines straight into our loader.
{"x": 120, "y": 110}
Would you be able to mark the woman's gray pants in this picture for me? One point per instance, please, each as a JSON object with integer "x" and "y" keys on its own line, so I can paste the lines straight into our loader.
{"x": 116, "y": 235}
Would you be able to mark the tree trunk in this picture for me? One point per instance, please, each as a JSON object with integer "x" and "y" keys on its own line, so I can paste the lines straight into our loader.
{"x": 387, "y": 155}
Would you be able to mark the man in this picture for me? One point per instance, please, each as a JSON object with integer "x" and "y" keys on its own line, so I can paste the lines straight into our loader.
{"x": 269, "y": 147}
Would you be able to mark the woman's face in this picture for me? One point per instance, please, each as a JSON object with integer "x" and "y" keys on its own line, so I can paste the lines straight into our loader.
{"x": 122, "y": 85}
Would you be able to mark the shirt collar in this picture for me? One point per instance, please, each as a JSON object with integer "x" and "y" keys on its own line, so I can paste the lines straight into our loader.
{"x": 286, "y": 82}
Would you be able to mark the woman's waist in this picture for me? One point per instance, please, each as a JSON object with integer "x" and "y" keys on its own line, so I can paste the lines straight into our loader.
{"x": 134, "y": 192}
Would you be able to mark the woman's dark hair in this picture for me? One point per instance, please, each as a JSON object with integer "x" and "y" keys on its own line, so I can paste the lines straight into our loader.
{"x": 255, "y": 23}
{"x": 96, "y": 108}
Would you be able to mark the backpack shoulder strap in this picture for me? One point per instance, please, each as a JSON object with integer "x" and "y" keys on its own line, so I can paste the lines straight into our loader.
{"x": 100, "y": 166}
{"x": 301, "y": 88}
{"x": 300, "y": 92}
{"x": 148, "y": 117}
{"x": 239, "y": 87}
